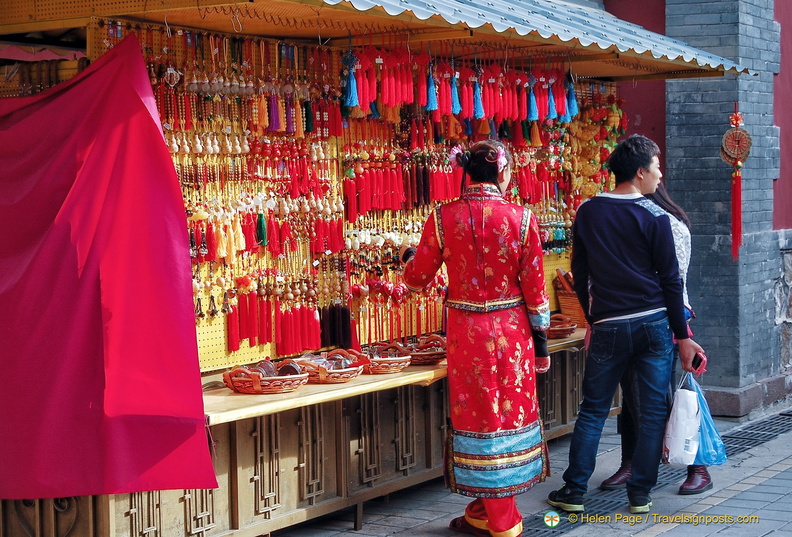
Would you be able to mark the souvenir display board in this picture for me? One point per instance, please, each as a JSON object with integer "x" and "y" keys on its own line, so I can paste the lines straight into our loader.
{"x": 305, "y": 168}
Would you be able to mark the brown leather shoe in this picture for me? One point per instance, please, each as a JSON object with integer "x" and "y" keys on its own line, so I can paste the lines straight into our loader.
{"x": 698, "y": 480}
{"x": 618, "y": 480}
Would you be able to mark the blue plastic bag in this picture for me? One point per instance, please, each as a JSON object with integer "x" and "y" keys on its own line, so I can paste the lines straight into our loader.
{"x": 711, "y": 451}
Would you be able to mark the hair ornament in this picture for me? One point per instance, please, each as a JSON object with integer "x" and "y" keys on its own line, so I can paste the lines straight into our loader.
{"x": 502, "y": 161}
{"x": 452, "y": 156}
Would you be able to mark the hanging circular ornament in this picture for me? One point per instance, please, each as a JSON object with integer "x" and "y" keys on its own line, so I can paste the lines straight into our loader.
{"x": 726, "y": 158}
{"x": 736, "y": 143}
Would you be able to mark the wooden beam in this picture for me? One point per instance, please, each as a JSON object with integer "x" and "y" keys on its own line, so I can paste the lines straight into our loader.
{"x": 43, "y": 26}
{"x": 383, "y": 39}
{"x": 660, "y": 76}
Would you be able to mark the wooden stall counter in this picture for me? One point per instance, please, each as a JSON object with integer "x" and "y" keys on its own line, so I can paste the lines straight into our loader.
{"x": 222, "y": 405}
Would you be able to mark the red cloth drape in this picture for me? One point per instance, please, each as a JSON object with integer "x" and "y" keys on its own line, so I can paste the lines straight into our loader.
{"x": 101, "y": 384}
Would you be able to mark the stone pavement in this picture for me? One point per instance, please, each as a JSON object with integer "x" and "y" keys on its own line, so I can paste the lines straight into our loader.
{"x": 752, "y": 495}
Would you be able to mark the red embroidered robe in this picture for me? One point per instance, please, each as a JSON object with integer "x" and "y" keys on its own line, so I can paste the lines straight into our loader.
{"x": 496, "y": 292}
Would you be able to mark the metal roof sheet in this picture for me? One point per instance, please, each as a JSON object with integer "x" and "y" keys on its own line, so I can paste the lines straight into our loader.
{"x": 554, "y": 20}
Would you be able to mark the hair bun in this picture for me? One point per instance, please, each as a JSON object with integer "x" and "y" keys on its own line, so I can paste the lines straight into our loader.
{"x": 463, "y": 159}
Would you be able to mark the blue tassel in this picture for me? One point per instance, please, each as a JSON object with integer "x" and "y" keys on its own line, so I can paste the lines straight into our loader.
{"x": 374, "y": 112}
{"x": 572, "y": 102}
{"x": 351, "y": 97}
{"x": 431, "y": 94}
{"x": 468, "y": 127}
{"x": 456, "y": 106}
{"x": 551, "y": 109}
{"x": 478, "y": 106}
{"x": 533, "y": 110}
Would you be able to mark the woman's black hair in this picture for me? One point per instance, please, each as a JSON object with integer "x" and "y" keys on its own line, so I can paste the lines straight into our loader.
{"x": 663, "y": 199}
{"x": 480, "y": 162}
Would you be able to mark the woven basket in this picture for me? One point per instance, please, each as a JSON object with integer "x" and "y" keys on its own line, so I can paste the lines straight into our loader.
{"x": 380, "y": 366}
{"x": 244, "y": 380}
{"x": 427, "y": 357}
{"x": 430, "y": 350}
{"x": 390, "y": 349}
{"x": 570, "y": 306}
{"x": 319, "y": 374}
{"x": 561, "y": 326}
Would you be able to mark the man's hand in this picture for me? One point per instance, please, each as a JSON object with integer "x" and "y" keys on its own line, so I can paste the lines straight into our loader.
{"x": 687, "y": 350}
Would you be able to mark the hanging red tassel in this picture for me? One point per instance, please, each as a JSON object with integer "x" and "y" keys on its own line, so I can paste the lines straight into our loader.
{"x": 232, "y": 329}
{"x": 387, "y": 82}
{"x": 736, "y": 206}
{"x": 306, "y": 325}
{"x": 273, "y": 236}
{"x": 278, "y": 321}
{"x": 243, "y": 312}
{"x": 253, "y": 321}
{"x": 211, "y": 242}
{"x": 292, "y": 332}
{"x": 287, "y": 237}
{"x": 264, "y": 317}
{"x": 351, "y": 205}
{"x": 297, "y": 330}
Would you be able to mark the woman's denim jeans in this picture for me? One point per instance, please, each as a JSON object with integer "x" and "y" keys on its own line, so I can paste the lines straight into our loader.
{"x": 646, "y": 345}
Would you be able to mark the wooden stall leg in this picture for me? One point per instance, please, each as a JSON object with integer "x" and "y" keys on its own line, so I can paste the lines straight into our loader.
{"x": 358, "y": 516}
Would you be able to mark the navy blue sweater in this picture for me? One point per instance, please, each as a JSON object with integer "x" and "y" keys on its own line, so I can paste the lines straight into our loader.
{"x": 624, "y": 262}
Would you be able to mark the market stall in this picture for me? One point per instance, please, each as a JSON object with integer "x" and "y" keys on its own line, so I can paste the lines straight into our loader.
{"x": 310, "y": 141}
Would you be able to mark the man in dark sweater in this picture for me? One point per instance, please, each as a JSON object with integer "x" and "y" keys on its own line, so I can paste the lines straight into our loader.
{"x": 627, "y": 280}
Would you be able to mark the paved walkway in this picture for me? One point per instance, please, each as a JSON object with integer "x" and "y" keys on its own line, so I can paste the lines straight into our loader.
{"x": 752, "y": 495}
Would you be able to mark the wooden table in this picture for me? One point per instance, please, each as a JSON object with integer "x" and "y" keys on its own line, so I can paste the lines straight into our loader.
{"x": 224, "y": 406}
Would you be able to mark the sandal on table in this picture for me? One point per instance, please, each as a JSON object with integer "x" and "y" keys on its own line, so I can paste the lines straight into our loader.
{"x": 461, "y": 525}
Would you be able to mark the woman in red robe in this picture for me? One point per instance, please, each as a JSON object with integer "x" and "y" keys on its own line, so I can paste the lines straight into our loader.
{"x": 498, "y": 311}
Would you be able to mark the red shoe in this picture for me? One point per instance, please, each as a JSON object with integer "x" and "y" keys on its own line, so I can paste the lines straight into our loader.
{"x": 461, "y": 525}
{"x": 619, "y": 479}
{"x": 698, "y": 480}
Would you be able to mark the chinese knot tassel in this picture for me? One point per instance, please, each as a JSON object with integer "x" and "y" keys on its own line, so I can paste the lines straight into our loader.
{"x": 232, "y": 329}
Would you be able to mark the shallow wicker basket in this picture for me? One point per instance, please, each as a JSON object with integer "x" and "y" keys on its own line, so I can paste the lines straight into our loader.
{"x": 391, "y": 349}
{"x": 427, "y": 357}
{"x": 429, "y": 350}
{"x": 252, "y": 382}
{"x": 319, "y": 374}
{"x": 561, "y": 326}
{"x": 380, "y": 366}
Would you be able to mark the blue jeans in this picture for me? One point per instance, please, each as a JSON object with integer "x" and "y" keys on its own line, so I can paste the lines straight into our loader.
{"x": 646, "y": 345}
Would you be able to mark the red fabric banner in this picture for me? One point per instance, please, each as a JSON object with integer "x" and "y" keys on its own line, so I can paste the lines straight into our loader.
{"x": 98, "y": 352}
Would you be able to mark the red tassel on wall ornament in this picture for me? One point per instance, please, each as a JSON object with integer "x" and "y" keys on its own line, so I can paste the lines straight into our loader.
{"x": 735, "y": 148}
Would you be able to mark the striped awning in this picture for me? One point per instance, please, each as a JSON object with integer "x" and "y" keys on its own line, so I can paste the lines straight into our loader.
{"x": 579, "y": 28}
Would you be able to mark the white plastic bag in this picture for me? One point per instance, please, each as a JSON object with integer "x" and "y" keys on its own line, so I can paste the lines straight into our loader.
{"x": 682, "y": 431}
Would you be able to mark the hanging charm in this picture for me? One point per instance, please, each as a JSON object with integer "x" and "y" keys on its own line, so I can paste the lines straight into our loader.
{"x": 735, "y": 148}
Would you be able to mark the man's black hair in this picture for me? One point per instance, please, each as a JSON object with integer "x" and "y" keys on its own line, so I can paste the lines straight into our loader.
{"x": 631, "y": 155}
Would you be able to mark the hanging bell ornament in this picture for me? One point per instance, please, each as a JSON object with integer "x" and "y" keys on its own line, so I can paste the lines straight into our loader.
{"x": 226, "y": 307}
{"x": 212, "y": 311}
{"x": 199, "y": 314}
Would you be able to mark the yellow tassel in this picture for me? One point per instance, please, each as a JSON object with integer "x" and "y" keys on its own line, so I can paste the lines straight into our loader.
{"x": 263, "y": 116}
{"x": 298, "y": 121}
{"x": 282, "y": 113}
{"x": 536, "y": 138}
